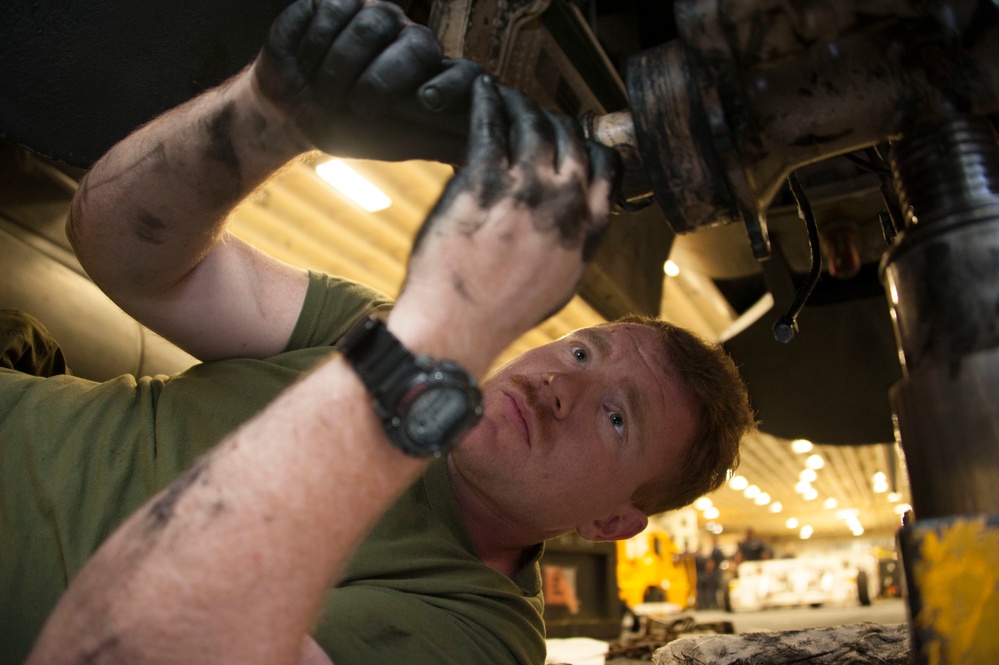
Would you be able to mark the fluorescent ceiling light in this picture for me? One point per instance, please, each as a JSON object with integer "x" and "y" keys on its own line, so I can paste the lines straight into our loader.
{"x": 738, "y": 483}
{"x": 353, "y": 185}
{"x": 801, "y": 445}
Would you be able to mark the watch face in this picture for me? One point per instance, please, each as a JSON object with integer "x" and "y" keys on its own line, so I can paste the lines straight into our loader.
{"x": 435, "y": 413}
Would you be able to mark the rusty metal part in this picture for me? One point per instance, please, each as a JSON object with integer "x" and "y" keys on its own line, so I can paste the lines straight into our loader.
{"x": 940, "y": 277}
{"x": 754, "y": 90}
{"x": 617, "y": 130}
{"x": 483, "y": 31}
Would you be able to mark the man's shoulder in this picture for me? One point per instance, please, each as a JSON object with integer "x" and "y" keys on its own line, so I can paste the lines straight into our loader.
{"x": 331, "y": 305}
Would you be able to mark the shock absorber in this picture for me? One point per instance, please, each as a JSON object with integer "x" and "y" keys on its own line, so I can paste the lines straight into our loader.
{"x": 942, "y": 281}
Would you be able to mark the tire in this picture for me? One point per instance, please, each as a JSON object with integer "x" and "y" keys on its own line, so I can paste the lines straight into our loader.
{"x": 863, "y": 588}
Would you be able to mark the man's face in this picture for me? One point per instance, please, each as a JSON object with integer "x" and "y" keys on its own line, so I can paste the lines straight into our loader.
{"x": 573, "y": 428}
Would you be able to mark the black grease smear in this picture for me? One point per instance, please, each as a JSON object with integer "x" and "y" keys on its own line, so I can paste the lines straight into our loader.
{"x": 149, "y": 228}
{"x": 91, "y": 656}
{"x": 567, "y": 211}
{"x": 461, "y": 288}
{"x": 220, "y": 147}
{"x": 161, "y": 512}
{"x": 594, "y": 238}
{"x": 490, "y": 186}
{"x": 531, "y": 194}
{"x": 258, "y": 131}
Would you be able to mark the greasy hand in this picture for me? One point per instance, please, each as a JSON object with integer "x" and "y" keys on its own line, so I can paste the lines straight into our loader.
{"x": 506, "y": 245}
{"x": 359, "y": 79}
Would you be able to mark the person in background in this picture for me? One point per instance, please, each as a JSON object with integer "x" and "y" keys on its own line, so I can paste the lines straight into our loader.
{"x": 274, "y": 513}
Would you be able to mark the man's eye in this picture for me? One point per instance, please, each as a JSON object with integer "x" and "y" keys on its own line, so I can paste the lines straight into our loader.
{"x": 580, "y": 354}
{"x": 617, "y": 420}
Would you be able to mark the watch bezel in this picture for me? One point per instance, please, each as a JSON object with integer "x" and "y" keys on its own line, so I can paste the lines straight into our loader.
{"x": 436, "y": 376}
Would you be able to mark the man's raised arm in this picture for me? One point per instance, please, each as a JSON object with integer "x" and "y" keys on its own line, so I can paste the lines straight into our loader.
{"x": 349, "y": 77}
{"x": 231, "y": 561}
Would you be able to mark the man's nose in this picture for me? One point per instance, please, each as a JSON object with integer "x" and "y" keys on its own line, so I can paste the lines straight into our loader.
{"x": 561, "y": 392}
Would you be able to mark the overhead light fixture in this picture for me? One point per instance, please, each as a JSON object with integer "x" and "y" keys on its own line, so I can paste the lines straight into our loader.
{"x": 806, "y": 532}
{"x": 815, "y": 462}
{"x": 791, "y": 523}
{"x": 902, "y": 508}
{"x": 894, "y": 497}
{"x": 738, "y": 483}
{"x": 353, "y": 185}
{"x": 711, "y": 513}
{"x": 752, "y": 492}
{"x": 801, "y": 445}
{"x": 830, "y": 503}
{"x": 810, "y": 494}
{"x": 808, "y": 475}
{"x": 776, "y": 507}
{"x": 802, "y": 486}
{"x": 670, "y": 268}
{"x": 762, "y": 499}
{"x": 847, "y": 513}
{"x": 703, "y": 503}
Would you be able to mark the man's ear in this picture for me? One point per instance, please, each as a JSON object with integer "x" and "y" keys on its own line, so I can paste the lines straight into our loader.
{"x": 626, "y": 521}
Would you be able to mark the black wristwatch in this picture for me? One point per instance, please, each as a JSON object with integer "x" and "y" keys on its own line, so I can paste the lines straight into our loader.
{"x": 425, "y": 406}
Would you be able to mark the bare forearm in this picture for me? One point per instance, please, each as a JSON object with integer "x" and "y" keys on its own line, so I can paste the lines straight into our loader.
{"x": 232, "y": 560}
{"x": 151, "y": 208}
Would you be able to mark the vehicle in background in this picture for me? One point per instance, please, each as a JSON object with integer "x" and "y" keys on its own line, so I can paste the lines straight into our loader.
{"x": 805, "y": 581}
{"x": 652, "y": 569}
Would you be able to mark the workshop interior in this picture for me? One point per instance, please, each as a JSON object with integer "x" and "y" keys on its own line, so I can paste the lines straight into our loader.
{"x": 814, "y": 184}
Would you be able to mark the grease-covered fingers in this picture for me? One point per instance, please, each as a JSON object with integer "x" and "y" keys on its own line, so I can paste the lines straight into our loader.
{"x": 409, "y": 60}
{"x": 570, "y": 151}
{"x": 450, "y": 90}
{"x": 367, "y": 35}
{"x": 604, "y": 177}
{"x": 487, "y": 141}
{"x": 531, "y": 133}
{"x": 326, "y": 19}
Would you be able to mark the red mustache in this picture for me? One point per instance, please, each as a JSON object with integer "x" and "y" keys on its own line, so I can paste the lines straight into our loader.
{"x": 538, "y": 414}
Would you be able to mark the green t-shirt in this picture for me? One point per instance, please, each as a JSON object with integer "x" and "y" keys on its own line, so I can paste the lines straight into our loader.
{"x": 77, "y": 457}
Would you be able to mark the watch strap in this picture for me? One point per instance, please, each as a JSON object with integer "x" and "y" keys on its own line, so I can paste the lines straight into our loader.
{"x": 377, "y": 355}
